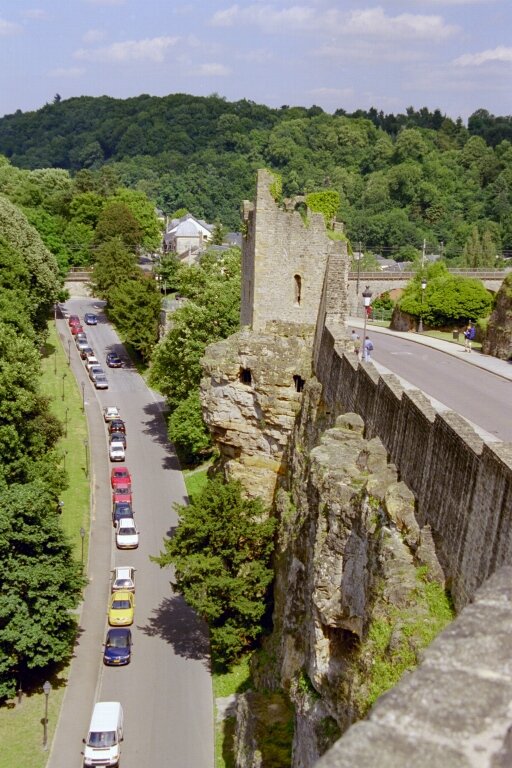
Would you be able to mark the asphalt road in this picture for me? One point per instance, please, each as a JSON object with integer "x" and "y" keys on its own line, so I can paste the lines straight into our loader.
{"x": 166, "y": 690}
{"x": 480, "y": 396}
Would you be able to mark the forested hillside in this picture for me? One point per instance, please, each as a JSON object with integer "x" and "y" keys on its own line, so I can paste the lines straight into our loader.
{"x": 402, "y": 179}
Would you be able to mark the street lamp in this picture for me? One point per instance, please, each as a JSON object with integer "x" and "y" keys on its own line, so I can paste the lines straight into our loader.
{"x": 66, "y": 423}
{"x": 83, "y": 396}
{"x": 423, "y": 286}
{"x": 60, "y": 505}
{"x": 69, "y": 351}
{"x": 367, "y": 299}
{"x": 46, "y": 689}
{"x": 86, "y": 446}
{"x": 63, "y": 380}
{"x": 82, "y": 536}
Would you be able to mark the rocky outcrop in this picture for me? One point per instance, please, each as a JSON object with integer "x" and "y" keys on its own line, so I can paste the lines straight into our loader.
{"x": 498, "y": 340}
{"x": 352, "y": 574}
{"x": 251, "y": 394}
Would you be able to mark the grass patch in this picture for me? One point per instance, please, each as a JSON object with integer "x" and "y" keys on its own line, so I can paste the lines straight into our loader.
{"x": 236, "y": 680}
{"x": 196, "y": 479}
{"x": 21, "y": 725}
{"x": 59, "y": 384}
{"x": 395, "y": 640}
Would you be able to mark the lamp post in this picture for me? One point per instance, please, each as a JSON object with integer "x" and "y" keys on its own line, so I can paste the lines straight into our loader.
{"x": 82, "y": 536}
{"x": 423, "y": 286}
{"x": 60, "y": 505}
{"x": 63, "y": 380}
{"x": 46, "y": 689}
{"x": 69, "y": 351}
{"x": 66, "y": 423}
{"x": 367, "y": 299}
{"x": 86, "y": 446}
{"x": 83, "y": 396}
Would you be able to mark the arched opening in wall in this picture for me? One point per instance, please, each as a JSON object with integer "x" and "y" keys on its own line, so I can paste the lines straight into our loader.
{"x": 245, "y": 376}
{"x": 297, "y": 280}
{"x": 299, "y": 383}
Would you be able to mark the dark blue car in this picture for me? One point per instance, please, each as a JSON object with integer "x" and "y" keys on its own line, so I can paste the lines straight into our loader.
{"x": 90, "y": 319}
{"x": 118, "y": 647}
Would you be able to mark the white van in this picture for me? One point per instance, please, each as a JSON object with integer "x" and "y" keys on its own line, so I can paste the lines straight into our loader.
{"x": 103, "y": 742}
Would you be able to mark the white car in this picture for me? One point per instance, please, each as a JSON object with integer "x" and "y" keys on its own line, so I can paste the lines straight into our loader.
{"x": 91, "y": 360}
{"x": 123, "y": 577}
{"x": 127, "y": 535}
{"x": 116, "y": 451}
{"x": 111, "y": 412}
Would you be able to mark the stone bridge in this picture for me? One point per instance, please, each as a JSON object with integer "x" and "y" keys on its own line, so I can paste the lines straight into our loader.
{"x": 383, "y": 281}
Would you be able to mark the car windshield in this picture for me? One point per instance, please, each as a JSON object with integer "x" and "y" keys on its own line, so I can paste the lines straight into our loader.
{"x": 102, "y": 739}
{"x": 120, "y": 605}
{"x": 122, "y": 583}
{"x": 118, "y": 641}
{"x": 127, "y": 531}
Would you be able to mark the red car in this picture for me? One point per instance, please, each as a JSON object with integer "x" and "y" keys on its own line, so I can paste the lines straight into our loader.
{"x": 76, "y": 329}
{"x": 120, "y": 476}
{"x": 73, "y": 320}
{"x": 122, "y": 495}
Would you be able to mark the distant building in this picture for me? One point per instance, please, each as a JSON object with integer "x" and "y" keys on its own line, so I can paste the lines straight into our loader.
{"x": 187, "y": 236}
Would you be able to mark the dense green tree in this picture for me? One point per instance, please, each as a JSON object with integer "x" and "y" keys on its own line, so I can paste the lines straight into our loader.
{"x": 144, "y": 213}
{"x": 188, "y": 431}
{"x": 40, "y": 585}
{"x": 221, "y": 552}
{"x": 113, "y": 264}
{"x": 448, "y": 299}
{"x": 116, "y": 220}
{"x": 134, "y": 306}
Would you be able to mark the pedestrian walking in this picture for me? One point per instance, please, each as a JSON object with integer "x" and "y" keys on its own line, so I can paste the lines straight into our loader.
{"x": 469, "y": 335}
{"x": 368, "y": 349}
{"x": 356, "y": 340}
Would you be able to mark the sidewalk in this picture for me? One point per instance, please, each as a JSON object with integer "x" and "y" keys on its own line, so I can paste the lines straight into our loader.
{"x": 501, "y": 368}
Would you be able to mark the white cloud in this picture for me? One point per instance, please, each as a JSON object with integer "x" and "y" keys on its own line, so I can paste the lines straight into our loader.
{"x": 8, "y": 28}
{"x": 501, "y": 54}
{"x": 150, "y": 49}
{"x": 257, "y": 56}
{"x": 212, "y": 70}
{"x": 93, "y": 36}
{"x": 370, "y": 22}
{"x": 66, "y": 72}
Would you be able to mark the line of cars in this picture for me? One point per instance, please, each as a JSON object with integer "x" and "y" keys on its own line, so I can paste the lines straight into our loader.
{"x": 94, "y": 368}
{"x": 117, "y": 648}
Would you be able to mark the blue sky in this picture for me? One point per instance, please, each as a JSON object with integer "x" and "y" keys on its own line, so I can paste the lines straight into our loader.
{"x": 455, "y": 55}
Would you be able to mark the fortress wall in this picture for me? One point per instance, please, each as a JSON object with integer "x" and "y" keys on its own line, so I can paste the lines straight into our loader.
{"x": 463, "y": 486}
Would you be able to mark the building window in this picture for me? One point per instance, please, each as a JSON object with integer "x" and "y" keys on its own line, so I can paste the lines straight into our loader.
{"x": 245, "y": 376}
{"x": 298, "y": 289}
{"x": 299, "y": 383}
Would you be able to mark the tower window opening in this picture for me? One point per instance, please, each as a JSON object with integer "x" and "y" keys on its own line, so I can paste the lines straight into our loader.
{"x": 298, "y": 289}
{"x": 299, "y": 383}
{"x": 245, "y": 376}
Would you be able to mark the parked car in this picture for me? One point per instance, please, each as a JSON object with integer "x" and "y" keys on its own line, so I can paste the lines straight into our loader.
{"x": 118, "y": 436}
{"x": 121, "y": 511}
{"x": 91, "y": 360}
{"x": 123, "y": 577}
{"x": 111, "y": 412}
{"x": 122, "y": 492}
{"x": 117, "y": 425}
{"x": 81, "y": 344}
{"x": 120, "y": 476}
{"x": 90, "y": 319}
{"x": 121, "y": 608}
{"x": 114, "y": 361}
{"x": 127, "y": 535}
{"x": 73, "y": 320}
{"x": 76, "y": 329}
{"x": 116, "y": 451}
{"x": 118, "y": 647}
{"x": 85, "y": 352}
{"x": 101, "y": 381}
{"x": 94, "y": 371}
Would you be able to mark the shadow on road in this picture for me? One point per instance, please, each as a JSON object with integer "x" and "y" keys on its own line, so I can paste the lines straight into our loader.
{"x": 176, "y": 623}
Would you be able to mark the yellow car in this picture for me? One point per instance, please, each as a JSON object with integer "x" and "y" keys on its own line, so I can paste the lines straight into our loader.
{"x": 121, "y": 608}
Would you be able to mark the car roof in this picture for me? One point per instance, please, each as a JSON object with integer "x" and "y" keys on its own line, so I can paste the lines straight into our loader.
{"x": 119, "y": 469}
{"x": 122, "y": 594}
{"x": 129, "y": 522}
{"x": 124, "y": 571}
{"x": 118, "y": 631}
